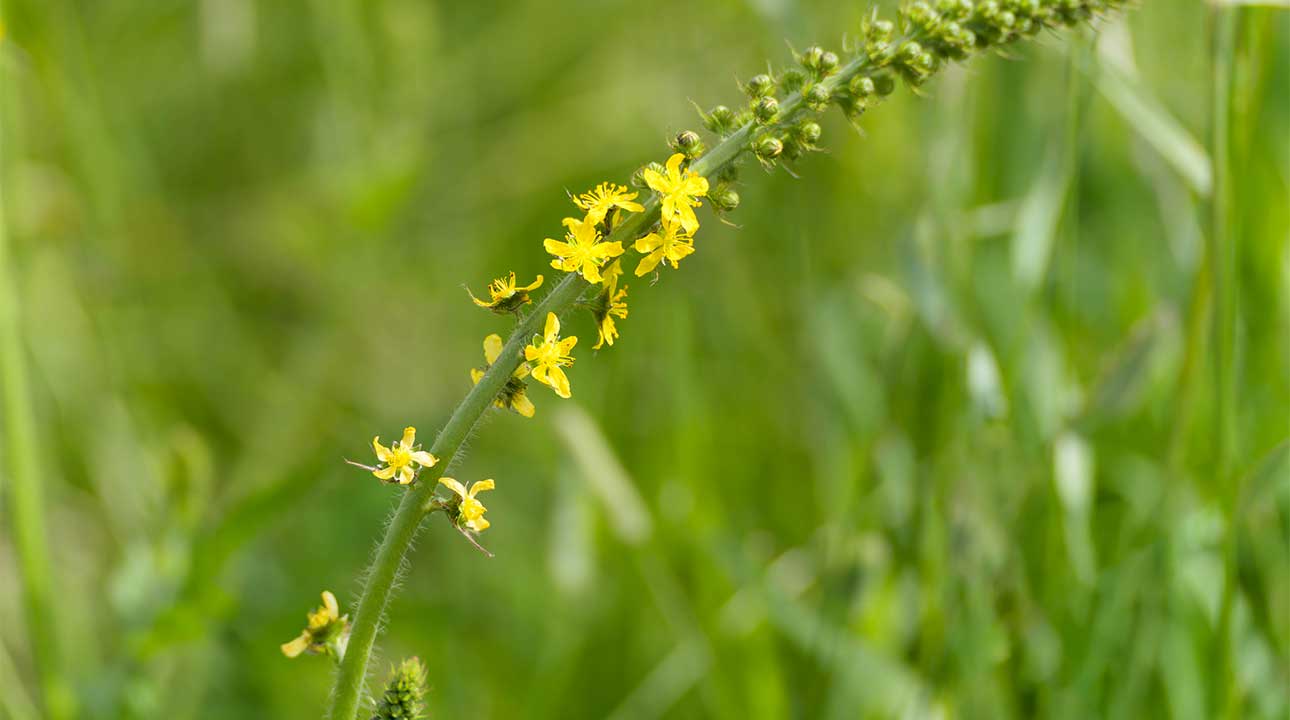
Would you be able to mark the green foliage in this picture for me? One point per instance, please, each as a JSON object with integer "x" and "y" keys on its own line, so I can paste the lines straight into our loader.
{"x": 934, "y": 429}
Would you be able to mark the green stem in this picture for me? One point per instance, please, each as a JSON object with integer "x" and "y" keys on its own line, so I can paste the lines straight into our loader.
{"x": 348, "y": 689}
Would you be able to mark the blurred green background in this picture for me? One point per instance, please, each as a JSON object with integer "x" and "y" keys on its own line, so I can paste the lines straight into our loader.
{"x": 984, "y": 416}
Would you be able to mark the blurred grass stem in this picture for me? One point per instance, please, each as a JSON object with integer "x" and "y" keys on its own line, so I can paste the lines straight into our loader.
{"x": 26, "y": 507}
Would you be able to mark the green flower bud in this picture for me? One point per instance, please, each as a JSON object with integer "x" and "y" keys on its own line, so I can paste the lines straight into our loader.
{"x": 766, "y": 110}
{"x": 759, "y": 86}
{"x": 862, "y": 86}
{"x": 955, "y": 9}
{"x": 828, "y": 63}
{"x": 811, "y": 58}
{"x": 884, "y": 83}
{"x": 792, "y": 80}
{"x": 817, "y": 98}
{"x": 921, "y": 15}
{"x": 638, "y": 177}
{"x": 767, "y": 148}
{"x": 720, "y": 120}
{"x": 910, "y": 52}
{"x": 807, "y": 133}
{"x": 723, "y": 198}
{"x": 878, "y": 31}
{"x": 688, "y": 143}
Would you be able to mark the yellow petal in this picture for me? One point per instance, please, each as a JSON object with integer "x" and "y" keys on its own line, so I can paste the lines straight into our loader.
{"x": 522, "y": 371}
{"x": 653, "y": 179}
{"x": 478, "y": 524}
{"x": 534, "y": 285}
{"x": 382, "y": 453}
{"x": 540, "y": 374}
{"x": 479, "y": 302}
{"x": 608, "y": 250}
{"x": 424, "y": 459}
{"x": 493, "y": 347}
{"x": 647, "y": 243}
{"x": 476, "y": 375}
{"x": 567, "y": 344}
{"x": 631, "y": 206}
{"x": 406, "y": 476}
{"x": 560, "y": 383}
{"x": 688, "y": 219}
{"x": 591, "y": 272}
{"x": 674, "y": 165}
{"x": 696, "y": 185}
{"x": 454, "y": 486}
{"x": 532, "y": 352}
{"x": 481, "y": 486}
{"x": 329, "y": 602}
{"x": 521, "y": 404}
{"x": 295, "y": 647}
{"x": 384, "y": 473}
{"x": 555, "y": 247}
{"x": 648, "y": 263}
{"x": 409, "y": 437}
{"x": 552, "y": 330}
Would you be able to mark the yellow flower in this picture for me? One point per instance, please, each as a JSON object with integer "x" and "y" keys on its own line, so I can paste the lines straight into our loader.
{"x": 582, "y": 252}
{"x": 399, "y": 458}
{"x": 675, "y": 243}
{"x": 469, "y": 511}
{"x": 326, "y": 632}
{"x": 678, "y": 191}
{"x": 513, "y": 395}
{"x": 549, "y": 354}
{"x": 604, "y": 198}
{"x": 506, "y": 296}
{"x": 611, "y": 303}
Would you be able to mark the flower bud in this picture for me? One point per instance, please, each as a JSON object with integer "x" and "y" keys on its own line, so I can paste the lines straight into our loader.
{"x": 759, "y": 86}
{"x": 956, "y": 9}
{"x": 807, "y": 133}
{"x": 828, "y": 62}
{"x": 766, "y": 110}
{"x": 688, "y": 143}
{"x": 878, "y": 31}
{"x": 638, "y": 177}
{"x": 767, "y": 148}
{"x": 818, "y": 61}
{"x": 862, "y": 86}
{"x": 877, "y": 36}
{"x": 720, "y": 120}
{"x": 723, "y": 197}
{"x": 920, "y": 15}
{"x": 884, "y": 83}
{"x": 817, "y": 98}
{"x": 792, "y": 80}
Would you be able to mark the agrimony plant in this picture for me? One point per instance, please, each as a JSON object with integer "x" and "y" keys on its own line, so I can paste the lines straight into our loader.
{"x": 653, "y": 224}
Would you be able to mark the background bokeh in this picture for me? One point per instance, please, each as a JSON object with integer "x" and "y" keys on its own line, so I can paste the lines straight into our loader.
{"x": 984, "y": 416}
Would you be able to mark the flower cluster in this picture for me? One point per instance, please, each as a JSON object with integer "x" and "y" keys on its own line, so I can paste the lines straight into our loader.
{"x": 326, "y": 632}
{"x": 587, "y": 251}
